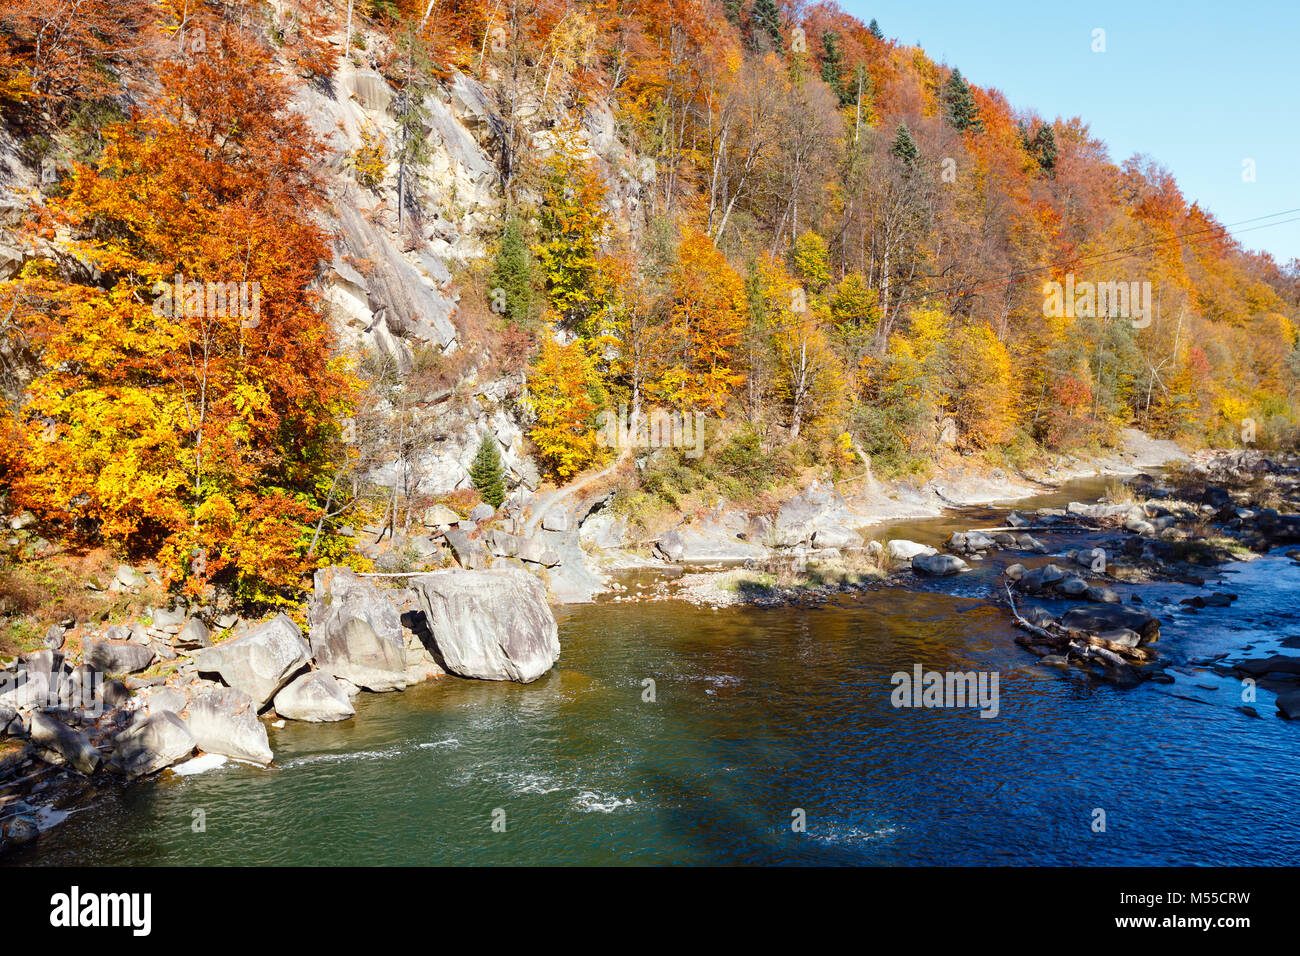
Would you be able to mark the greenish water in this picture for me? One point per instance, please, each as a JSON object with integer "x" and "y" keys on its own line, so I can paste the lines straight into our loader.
{"x": 758, "y": 713}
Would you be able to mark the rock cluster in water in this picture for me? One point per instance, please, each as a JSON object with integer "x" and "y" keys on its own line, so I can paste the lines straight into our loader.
{"x": 78, "y": 723}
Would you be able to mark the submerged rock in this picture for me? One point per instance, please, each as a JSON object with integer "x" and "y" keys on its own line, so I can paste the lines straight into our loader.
{"x": 492, "y": 625}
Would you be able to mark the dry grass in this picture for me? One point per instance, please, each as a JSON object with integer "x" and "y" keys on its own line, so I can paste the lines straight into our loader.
{"x": 37, "y": 591}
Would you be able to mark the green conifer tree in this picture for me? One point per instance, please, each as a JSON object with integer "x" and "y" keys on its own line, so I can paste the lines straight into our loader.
{"x": 874, "y": 30}
{"x": 959, "y": 104}
{"x": 833, "y": 66}
{"x": 510, "y": 286}
{"x": 905, "y": 147}
{"x": 767, "y": 17}
{"x": 486, "y": 472}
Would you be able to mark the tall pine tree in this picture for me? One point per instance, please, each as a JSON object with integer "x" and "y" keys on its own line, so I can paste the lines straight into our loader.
{"x": 833, "y": 66}
{"x": 959, "y": 104}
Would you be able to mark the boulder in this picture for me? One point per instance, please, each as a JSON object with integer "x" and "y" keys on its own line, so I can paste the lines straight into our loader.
{"x": 54, "y": 637}
{"x": 492, "y": 625}
{"x": 116, "y": 657}
{"x": 165, "y": 699}
{"x": 900, "y": 552}
{"x": 128, "y": 577}
{"x": 938, "y": 565}
{"x": 1027, "y": 542}
{"x": 1038, "y": 616}
{"x": 356, "y": 631}
{"x": 1107, "y": 617}
{"x": 440, "y": 516}
{"x": 1072, "y": 586}
{"x": 224, "y": 721}
{"x": 1288, "y": 704}
{"x": 162, "y": 618}
{"x": 1277, "y": 664}
{"x": 471, "y": 553}
{"x": 1102, "y": 595}
{"x": 315, "y": 697}
{"x": 838, "y": 538}
{"x": 152, "y": 743}
{"x": 1139, "y": 526}
{"x": 481, "y": 512}
{"x": 193, "y": 635}
{"x": 51, "y": 734}
{"x": 260, "y": 662}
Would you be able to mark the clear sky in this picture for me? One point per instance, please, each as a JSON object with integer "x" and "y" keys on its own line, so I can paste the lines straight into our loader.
{"x": 1198, "y": 86}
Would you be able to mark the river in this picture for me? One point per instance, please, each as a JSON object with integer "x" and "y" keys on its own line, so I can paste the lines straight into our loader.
{"x": 761, "y": 718}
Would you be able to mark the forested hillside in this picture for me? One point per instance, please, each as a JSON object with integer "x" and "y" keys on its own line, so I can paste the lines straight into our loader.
{"x": 839, "y": 251}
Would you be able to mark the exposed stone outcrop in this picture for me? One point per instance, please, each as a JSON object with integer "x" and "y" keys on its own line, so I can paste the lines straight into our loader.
{"x": 492, "y": 625}
{"x": 356, "y": 631}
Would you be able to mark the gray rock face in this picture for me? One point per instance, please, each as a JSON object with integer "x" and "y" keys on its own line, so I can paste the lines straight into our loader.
{"x": 315, "y": 698}
{"x": 116, "y": 657}
{"x": 706, "y": 544}
{"x": 557, "y": 519}
{"x": 356, "y": 632}
{"x": 260, "y": 662}
{"x": 152, "y": 743}
{"x": 224, "y": 721}
{"x": 492, "y": 625}
{"x": 54, "y": 735}
{"x": 813, "y": 509}
{"x": 938, "y": 565}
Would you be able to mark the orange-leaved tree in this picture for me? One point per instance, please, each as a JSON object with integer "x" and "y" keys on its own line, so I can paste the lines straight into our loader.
{"x": 707, "y": 321}
{"x": 565, "y": 394}
{"x": 185, "y": 391}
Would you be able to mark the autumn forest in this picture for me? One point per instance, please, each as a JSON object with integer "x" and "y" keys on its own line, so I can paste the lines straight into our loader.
{"x": 847, "y": 256}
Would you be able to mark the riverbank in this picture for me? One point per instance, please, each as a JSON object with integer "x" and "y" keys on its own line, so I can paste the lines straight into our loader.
{"x": 1217, "y": 510}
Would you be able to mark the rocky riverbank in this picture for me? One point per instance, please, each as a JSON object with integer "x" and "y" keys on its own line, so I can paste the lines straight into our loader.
{"x": 101, "y": 706}
{"x": 183, "y": 688}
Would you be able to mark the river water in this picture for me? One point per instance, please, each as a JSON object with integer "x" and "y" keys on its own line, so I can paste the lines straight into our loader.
{"x": 762, "y": 718}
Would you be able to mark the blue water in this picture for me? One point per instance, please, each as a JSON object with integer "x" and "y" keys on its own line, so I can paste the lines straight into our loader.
{"x": 759, "y": 713}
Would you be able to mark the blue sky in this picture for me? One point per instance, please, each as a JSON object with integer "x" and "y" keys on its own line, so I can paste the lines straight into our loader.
{"x": 1197, "y": 86}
